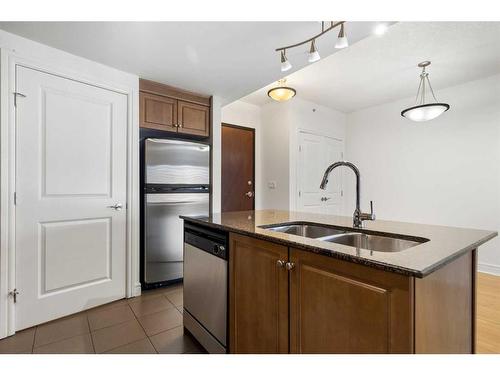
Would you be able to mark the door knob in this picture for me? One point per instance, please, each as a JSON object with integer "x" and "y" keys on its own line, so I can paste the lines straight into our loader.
{"x": 249, "y": 194}
{"x": 280, "y": 263}
{"x": 289, "y": 266}
{"x": 116, "y": 207}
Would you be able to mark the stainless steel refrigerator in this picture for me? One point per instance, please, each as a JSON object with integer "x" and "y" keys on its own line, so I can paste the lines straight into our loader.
{"x": 176, "y": 182}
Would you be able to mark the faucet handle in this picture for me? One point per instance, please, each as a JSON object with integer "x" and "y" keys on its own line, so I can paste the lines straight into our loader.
{"x": 372, "y": 215}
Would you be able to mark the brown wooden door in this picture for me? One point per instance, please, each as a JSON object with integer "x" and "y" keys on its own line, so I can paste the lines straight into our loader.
{"x": 193, "y": 118}
{"x": 158, "y": 112}
{"x": 238, "y": 160}
{"x": 258, "y": 296}
{"x": 341, "y": 307}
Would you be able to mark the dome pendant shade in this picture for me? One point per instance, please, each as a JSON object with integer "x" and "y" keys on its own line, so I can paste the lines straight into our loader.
{"x": 424, "y": 111}
{"x": 281, "y": 93}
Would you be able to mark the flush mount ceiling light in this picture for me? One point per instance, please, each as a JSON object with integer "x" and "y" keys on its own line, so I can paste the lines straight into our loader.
{"x": 282, "y": 92}
{"x": 313, "y": 51}
{"x": 424, "y": 111}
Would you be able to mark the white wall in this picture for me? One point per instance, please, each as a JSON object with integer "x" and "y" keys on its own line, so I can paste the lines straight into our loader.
{"x": 248, "y": 115}
{"x": 280, "y": 125}
{"x": 446, "y": 171}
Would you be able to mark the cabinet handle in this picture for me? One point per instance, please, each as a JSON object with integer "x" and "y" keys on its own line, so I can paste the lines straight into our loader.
{"x": 179, "y": 125}
{"x": 290, "y": 266}
{"x": 280, "y": 263}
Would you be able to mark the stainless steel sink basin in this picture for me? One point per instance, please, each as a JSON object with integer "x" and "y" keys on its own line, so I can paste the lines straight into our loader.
{"x": 305, "y": 230}
{"x": 360, "y": 240}
{"x": 371, "y": 242}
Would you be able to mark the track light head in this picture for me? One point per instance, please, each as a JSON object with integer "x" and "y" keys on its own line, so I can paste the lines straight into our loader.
{"x": 313, "y": 53}
{"x": 342, "y": 39}
{"x": 285, "y": 64}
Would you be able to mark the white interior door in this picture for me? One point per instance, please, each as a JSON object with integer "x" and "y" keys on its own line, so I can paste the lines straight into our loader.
{"x": 316, "y": 153}
{"x": 71, "y": 166}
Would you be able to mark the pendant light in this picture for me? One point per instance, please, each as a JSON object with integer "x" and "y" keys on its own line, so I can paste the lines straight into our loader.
{"x": 313, "y": 53}
{"x": 285, "y": 64}
{"x": 423, "y": 111}
{"x": 282, "y": 92}
{"x": 342, "y": 39}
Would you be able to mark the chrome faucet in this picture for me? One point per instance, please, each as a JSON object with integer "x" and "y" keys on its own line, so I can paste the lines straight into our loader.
{"x": 358, "y": 217}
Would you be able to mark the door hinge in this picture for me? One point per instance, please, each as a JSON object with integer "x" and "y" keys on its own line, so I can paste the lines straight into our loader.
{"x": 15, "y": 198}
{"x": 300, "y": 193}
{"x": 300, "y": 148}
{"x": 16, "y": 94}
{"x": 341, "y": 193}
{"x": 14, "y": 294}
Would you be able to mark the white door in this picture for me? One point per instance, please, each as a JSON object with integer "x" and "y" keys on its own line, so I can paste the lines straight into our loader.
{"x": 316, "y": 153}
{"x": 71, "y": 166}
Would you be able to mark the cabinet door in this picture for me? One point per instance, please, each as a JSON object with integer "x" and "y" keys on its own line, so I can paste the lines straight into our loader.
{"x": 158, "y": 112}
{"x": 193, "y": 118}
{"x": 341, "y": 307}
{"x": 258, "y": 302}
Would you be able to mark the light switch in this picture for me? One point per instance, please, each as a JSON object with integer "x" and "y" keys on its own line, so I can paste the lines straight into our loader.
{"x": 271, "y": 184}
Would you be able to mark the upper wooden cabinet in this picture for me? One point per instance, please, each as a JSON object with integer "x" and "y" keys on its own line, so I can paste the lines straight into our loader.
{"x": 158, "y": 112}
{"x": 165, "y": 108}
{"x": 193, "y": 118}
{"x": 258, "y": 296}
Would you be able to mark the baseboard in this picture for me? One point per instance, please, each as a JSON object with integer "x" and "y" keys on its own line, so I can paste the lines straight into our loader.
{"x": 493, "y": 269}
{"x": 137, "y": 290}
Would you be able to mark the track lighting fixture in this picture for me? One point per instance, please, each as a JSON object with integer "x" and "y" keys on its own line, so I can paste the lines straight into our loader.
{"x": 313, "y": 53}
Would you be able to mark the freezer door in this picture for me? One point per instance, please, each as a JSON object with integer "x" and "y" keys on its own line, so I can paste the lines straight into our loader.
{"x": 176, "y": 162}
{"x": 164, "y": 232}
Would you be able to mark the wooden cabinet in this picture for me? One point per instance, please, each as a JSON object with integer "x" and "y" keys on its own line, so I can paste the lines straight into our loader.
{"x": 158, "y": 112}
{"x": 341, "y": 307}
{"x": 319, "y": 305}
{"x": 165, "y": 108}
{"x": 258, "y": 296}
{"x": 193, "y": 118}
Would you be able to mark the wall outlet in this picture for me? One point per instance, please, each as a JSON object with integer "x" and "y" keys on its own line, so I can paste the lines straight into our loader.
{"x": 271, "y": 184}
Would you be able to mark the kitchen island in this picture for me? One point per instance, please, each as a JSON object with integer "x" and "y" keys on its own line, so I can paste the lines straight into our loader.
{"x": 312, "y": 292}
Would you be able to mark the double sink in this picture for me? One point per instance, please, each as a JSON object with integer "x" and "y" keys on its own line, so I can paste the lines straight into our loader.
{"x": 348, "y": 237}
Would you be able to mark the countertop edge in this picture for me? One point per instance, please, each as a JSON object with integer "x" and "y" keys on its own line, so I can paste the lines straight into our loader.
{"x": 347, "y": 257}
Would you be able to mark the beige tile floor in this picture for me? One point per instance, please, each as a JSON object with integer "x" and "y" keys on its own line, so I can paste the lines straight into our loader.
{"x": 151, "y": 323}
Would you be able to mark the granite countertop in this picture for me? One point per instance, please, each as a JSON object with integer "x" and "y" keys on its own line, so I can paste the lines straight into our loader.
{"x": 445, "y": 243}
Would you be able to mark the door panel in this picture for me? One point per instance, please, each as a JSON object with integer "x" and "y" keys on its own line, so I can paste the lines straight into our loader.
{"x": 238, "y": 158}
{"x": 341, "y": 307}
{"x": 193, "y": 118}
{"x": 71, "y": 165}
{"x": 258, "y": 301}
{"x": 316, "y": 153}
{"x": 158, "y": 112}
{"x": 177, "y": 162}
{"x": 164, "y": 229}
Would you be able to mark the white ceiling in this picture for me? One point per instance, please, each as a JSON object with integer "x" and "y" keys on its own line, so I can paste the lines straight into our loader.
{"x": 382, "y": 69}
{"x": 228, "y": 59}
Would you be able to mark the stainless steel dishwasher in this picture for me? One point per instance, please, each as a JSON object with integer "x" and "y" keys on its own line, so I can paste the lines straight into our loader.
{"x": 205, "y": 286}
